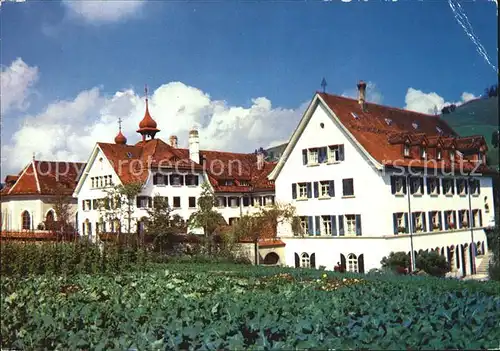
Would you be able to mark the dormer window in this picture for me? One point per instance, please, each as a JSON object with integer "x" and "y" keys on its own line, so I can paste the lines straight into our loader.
{"x": 439, "y": 130}
{"x": 228, "y": 182}
{"x": 244, "y": 183}
{"x": 423, "y": 152}
{"x": 354, "y": 115}
{"x": 414, "y": 125}
{"x": 388, "y": 121}
{"x": 406, "y": 150}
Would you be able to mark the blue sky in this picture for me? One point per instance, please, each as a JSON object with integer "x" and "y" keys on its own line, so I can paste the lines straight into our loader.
{"x": 237, "y": 52}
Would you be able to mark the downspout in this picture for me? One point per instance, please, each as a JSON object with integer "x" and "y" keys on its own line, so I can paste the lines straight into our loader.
{"x": 410, "y": 217}
{"x": 472, "y": 247}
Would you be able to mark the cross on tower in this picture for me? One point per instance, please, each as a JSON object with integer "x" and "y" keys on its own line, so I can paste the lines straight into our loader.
{"x": 120, "y": 123}
{"x": 324, "y": 84}
{"x": 146, "y": 90}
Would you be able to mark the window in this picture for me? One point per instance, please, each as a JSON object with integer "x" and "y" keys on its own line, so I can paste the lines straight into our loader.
{"x": 227, "y": 182}
{"x": 244, "y": 183}
{"x": 246, "y": 201}
{"x": 419, "y": 222}
{"x": 192, "y": 180}
{"x": 348, "y": 187}
{"x": 221, "y": 201}
{"x": 400, "y": 221}
{"x": 461, "y": 187}
{"x": 49, "y": 217}
{"x": 416, "y": 185}
{"x": 143, "y": 202}
{"x": 93, "y": 182}
{"x": 448, "y": 186}
{"x": 177, "y": 202}
{"x": 160, "y": 179}
{"x": 435, "y": 220}
{"x": 388, "y": 121}
{"x": 176, "y": 180}
{"x": 192, "y": 202}
{"x": 350, "y": 224}
{"x": 324, "y": 190}
{"x": 432, "y": 186}
{"x": 305, "y": 261}
{"x": 474, "y": 187}
{"x": 322, "y": 154}
{"x": 406, "y": 150}
{"x": 335, "y": 153}
{"x": 313, "y": 156}
{"x": 354, "y": 115}
{"x": 463, "y": 218}
{"x": 88, "y": 205}
{"x": 450, "y": 220}
{"x": 352, "y": 263}
{"x": 486, "y": 205}
{"x": 452, "y": 155}
{"x": 26, "y": 220}
{"x": 304, "y": 224}
{"x": 234, "y": 202}
{"x": 439, "y": 154}
{"x": 95, "y": 204}
{"x": 141, "y": 227}
{"x": 302, "y": 190}
{"x": 326, "y": 225}
{"x": 269, "y": 200}
{"x": 477, "y": 220}
{"x": 423, "y": 152}
{"x": 439, "y": 130}
{"x": 414, "y": 125}
{"x": 398, "y": 185}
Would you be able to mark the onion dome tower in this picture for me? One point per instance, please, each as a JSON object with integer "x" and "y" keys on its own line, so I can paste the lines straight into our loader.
{"x": 120, "y": 138}
{"x": 147, "y": 127}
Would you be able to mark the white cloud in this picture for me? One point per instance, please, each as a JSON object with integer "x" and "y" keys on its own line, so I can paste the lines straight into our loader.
{"x": 103, "y": 11}
{"x": 68, "y": 130}
{"x": 417, "y": 100}
{"x": 16, "y": 82}
{"x": 10, "y": 1}
{"x": 372, "y": 93}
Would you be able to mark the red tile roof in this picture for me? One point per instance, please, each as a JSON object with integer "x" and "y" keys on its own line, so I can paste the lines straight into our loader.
{"x": 382, "y": 130}
{"x": 45, "y": 178}
{"x": 132, "y": 164}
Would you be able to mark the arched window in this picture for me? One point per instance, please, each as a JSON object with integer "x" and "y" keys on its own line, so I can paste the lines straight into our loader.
{"x": 305, "y": 261}
{"x": 26, "y": 220}
{"x": 49, "y": 217}
{"x": 352, "y": 263}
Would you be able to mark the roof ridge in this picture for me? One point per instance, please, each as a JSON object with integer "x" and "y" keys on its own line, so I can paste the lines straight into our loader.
{"x": 380, "y": 105}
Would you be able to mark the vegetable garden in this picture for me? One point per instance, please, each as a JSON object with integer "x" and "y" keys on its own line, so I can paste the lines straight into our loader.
{"x": 222, "y": 306}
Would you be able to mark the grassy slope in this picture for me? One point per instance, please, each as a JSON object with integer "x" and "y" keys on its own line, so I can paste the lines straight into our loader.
{"x": 478, "y": 117}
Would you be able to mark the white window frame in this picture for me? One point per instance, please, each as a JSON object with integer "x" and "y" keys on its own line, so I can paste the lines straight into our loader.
{"x": 326, "y": 225}
{"x": 436, "y": 219}
{"x": 305, "y": 260}
{"x": 302, "y": 191}
{"x": 398, "y": 183}
{"x": 352, "y": 263}
{"x": 333, "y": 153}
{"x": 419, "y": 220}
{"x": 406, "y": 150}
{"x": 433, "y": 182}
{"x": 350, "y": 223}
{"x": 313, "y": 156}
{"x": 304, "y": 223}
{"x": 324, "y": 190}
{"x": 400, "y": 219}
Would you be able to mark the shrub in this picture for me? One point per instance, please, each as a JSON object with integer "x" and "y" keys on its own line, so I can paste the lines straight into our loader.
{"x": 432, "y": 263}
{"x": 397, "y": 262}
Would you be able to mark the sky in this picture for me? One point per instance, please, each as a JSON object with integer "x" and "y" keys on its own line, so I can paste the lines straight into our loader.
{"x": 242, "y": 73}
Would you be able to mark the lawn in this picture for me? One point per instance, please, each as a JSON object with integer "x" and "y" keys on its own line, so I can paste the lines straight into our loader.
{"x": 213, "y": 307}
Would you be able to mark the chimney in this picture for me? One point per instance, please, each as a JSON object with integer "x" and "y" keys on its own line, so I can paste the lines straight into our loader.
{"x": 260, "y": 158}
{"x": 194, "y": 146}
{"x": 362, "y": 94}
{"x": 173, "y": 141}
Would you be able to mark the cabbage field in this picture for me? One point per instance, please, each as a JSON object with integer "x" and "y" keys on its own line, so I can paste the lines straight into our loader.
{"x": 214, "y": 307}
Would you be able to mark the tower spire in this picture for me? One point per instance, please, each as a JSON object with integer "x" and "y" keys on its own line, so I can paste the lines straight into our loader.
{"x": 120, "y": 138}
{"x": 147, "y": 127}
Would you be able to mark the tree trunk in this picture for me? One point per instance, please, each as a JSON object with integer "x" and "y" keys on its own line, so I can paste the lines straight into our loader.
{"x": 256, "y": 252}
